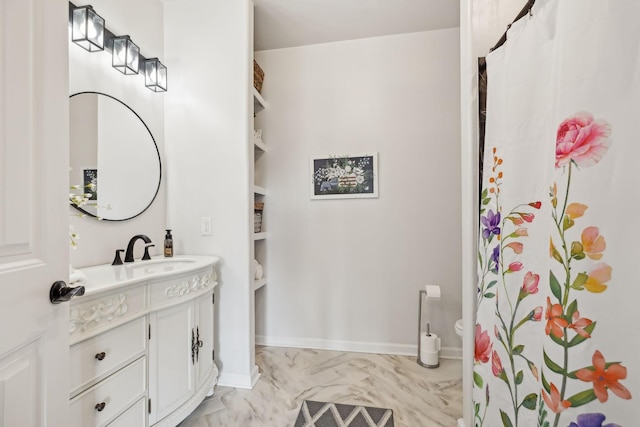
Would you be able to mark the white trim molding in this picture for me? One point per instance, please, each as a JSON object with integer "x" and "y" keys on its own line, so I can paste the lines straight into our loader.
{"x": 244, "y": 381}
{"x": 354, "y": 346}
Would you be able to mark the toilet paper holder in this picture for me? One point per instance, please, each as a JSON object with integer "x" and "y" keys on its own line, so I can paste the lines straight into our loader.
{"x": 434, "y": 363}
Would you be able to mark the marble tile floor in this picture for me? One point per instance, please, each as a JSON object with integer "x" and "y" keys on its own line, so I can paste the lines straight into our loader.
{"x": 419, "y": 397}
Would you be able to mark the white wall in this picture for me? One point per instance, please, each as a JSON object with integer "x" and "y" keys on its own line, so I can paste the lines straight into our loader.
{"x": 208, "y": 46}
{"x": 92, "y": 71}
{"x": 482, "y": 23}
{"x": 345, "y": 274}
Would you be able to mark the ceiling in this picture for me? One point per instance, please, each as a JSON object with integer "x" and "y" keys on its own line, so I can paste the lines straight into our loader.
{"x": 289, "y": 23}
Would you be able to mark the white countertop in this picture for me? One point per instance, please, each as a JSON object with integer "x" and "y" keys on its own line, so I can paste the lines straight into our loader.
{"x": 101, "y": 278}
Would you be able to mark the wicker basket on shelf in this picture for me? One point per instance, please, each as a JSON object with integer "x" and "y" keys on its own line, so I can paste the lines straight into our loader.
{"x": 258, "y": 207}
{"x": 258, "y": 76}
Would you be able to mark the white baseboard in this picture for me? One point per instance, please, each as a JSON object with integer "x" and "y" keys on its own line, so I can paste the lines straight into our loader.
{"x": 245, "y": 381}
{"x": 355, "y": 346}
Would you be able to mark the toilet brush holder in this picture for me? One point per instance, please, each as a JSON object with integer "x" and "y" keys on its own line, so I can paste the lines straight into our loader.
{"x": 428, "y": 343}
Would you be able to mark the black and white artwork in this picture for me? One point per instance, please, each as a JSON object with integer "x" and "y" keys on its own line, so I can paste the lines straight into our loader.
{"x": 344, "y": 176}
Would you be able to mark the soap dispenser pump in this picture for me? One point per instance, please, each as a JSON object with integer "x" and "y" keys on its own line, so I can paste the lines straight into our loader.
{"x": 168, "y": 244}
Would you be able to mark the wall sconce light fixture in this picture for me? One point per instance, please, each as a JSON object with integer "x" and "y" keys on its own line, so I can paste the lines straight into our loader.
{"x": 87, "y": 28}
{"x": 88, "y": 31}
{"x": 155, "y": 75}
{"x": 126, "y": 55}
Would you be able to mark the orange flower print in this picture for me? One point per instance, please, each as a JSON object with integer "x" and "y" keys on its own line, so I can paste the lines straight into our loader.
{"x": 604, "y": 378}
{"x": 598, "y": 276}
{"x": 576, "y": 210}
{"x": 553, "y": 252}
{"x": 554, "y": 401}
{"x": 555, "y": 322}
{"x": 593, "y": 243}
{"x": 578, "y": 324}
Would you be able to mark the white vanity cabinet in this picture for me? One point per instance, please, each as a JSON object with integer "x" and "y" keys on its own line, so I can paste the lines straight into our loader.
{"x": 142, "y": 343}
{"x": 182, "y": 339}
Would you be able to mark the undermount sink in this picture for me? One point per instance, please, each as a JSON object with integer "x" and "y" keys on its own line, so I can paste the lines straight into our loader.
{"x": 156, "y": 266}
{"x": 100, "y": 277}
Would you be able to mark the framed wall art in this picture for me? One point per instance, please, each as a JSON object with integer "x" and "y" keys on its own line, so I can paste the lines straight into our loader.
{"x": 344, "y": 176}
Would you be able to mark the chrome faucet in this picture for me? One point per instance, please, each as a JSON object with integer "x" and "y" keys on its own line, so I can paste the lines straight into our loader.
{"x": 128, "y": 257}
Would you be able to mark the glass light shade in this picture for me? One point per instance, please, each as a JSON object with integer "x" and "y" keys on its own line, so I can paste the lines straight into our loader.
{"x": 87, "y": 29}
{"x": 155, "y": 75}
{"x": 126, "y": 55}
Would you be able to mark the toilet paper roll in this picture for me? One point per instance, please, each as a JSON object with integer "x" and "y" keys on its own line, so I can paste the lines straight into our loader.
{"x": 433, "y": 291}
{"x": 429, "y": 349}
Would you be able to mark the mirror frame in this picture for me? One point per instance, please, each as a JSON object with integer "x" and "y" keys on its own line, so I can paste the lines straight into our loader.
{"x": 155, "y": 144}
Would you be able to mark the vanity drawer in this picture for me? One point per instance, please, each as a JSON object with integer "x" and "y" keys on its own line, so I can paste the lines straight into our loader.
{"x": 89, "y": 316}
{"x": 103, "y": 354}
{"x": 136, "y": 416}
{"x": 112, "y": 395}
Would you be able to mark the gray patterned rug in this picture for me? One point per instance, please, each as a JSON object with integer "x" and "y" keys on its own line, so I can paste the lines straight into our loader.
{"x": 323, "y": 414}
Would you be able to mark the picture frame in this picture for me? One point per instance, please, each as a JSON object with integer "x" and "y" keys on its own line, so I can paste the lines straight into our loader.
{"x": 90, "y": 184}
{"x": 344, "y": 176}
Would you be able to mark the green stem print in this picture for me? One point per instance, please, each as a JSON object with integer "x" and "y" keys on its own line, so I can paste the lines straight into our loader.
{"x": 581, "y": 142}
{"x": 502, "y": 277}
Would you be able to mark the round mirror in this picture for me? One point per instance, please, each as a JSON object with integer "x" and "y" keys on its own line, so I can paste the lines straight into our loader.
{"x": 113, "y": 157}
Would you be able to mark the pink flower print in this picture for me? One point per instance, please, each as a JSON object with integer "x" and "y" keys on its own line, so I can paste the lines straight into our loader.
{"x": 514, "y": 266}
{"x": 521, "y": 232}
{"x": 530, "y": 283}
{"x": 516, "y": 246}
{"x": 496, "y": 364}
{"x": 582, "y": 140}
{"x": 534, "y": 370}
{"x": 526, "y": 216}
{"x": 593, "y": 243}
{"x": 536, "y": 314}
{"x": 535, "y": 205}
{"x": 516, "y": 221}
{"x": 482, "y": 345}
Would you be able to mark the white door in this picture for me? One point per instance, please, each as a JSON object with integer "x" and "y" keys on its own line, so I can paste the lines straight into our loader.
{"x": 34, "y": 338}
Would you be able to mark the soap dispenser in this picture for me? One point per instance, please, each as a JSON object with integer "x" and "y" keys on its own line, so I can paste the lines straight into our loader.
{"x": 168, "y": 244}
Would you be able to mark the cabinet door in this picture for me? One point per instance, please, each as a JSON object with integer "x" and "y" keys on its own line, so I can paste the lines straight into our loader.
{"x": 171, "y": 375}
{"x": 205, "y": 332}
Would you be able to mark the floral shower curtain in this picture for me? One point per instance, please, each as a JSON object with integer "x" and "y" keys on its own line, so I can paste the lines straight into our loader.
{"x": 557, "y": 333}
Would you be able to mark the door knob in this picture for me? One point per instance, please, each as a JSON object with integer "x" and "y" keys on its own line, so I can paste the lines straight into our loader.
{"x": 60, "y": 292}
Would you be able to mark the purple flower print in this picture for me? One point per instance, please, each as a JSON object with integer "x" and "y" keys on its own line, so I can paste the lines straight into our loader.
{"x": 491, "y": 223}
{"x": 591, "y": 420}
{"x": 495, "y": 259}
